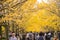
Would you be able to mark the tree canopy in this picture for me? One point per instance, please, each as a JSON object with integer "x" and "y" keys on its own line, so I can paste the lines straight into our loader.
{"x": 33, "y": 15}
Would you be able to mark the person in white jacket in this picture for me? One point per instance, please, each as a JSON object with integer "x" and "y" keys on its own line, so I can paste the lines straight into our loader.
{"x": 13, "y": 37}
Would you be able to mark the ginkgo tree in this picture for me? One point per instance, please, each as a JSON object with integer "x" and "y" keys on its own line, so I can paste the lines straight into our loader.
{"x": 45, "y": 9}
{"x": 7, "y": 7}
{"x": 33, "y": 15}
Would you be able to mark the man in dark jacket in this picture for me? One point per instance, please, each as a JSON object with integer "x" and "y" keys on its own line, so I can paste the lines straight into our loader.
{"x": 41, "y": 36}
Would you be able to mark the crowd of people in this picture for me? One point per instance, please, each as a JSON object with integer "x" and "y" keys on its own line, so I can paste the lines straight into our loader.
{"x": 34, "y": 36}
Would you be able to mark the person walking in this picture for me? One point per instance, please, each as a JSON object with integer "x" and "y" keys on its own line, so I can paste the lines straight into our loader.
{"x": 48, "y": 36}
{"x": 24, "y": 36}
{"x": 18, "y": 37}
{"x": 0, "y": 36}
{"x": 55, "y": 38}
{"x": 36, "y": 36}
{"x": 59, "y": 35}
{"x": 41, "y": 37}
{"x": 29, "y": 36}
{"x": 13, "y": 37}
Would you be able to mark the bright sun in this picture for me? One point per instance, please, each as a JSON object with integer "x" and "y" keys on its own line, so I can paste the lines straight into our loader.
{"x": 40, "y": 1}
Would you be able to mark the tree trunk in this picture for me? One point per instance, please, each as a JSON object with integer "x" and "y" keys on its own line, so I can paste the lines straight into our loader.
{"x": 7, "y": 37}
{"x": 13, "y": 27}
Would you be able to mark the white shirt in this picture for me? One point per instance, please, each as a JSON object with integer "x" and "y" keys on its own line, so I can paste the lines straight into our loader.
{"x": 12, "y": 38}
